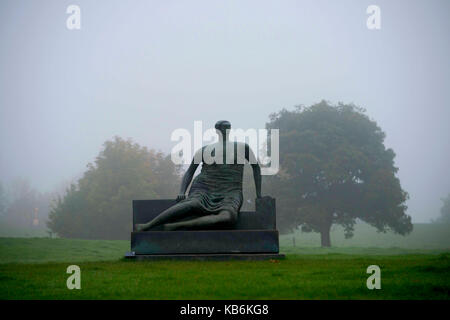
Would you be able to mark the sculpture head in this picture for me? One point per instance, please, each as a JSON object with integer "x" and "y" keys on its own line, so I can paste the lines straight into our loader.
{"x": 222, "y": 126}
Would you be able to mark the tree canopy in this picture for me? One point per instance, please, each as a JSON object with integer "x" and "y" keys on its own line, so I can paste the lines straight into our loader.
{"x": 99, "y": 205}
{"x": 334, "y": 169}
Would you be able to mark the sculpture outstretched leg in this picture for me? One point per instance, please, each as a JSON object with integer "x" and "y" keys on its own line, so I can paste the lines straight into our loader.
{"x": 224, "y": 217}
{"x": 176, "y": 212}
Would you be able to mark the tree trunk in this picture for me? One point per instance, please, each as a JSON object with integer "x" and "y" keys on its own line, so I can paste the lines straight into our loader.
{"x": 325, "y": 236}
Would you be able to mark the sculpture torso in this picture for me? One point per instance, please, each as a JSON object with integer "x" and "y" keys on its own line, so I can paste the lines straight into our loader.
{"x": 219, "y": 185}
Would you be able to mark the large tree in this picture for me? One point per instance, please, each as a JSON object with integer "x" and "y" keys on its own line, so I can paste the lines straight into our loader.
{"x": 334, "y": 168}
{"x": 99, "y": 205}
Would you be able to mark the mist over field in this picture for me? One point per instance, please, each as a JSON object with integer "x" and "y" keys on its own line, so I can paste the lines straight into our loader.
{"x": 120, "y": 178}
{"x": 141, "y": 71}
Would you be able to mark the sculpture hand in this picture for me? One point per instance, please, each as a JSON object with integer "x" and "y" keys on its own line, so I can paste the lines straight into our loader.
{"x": 181, "y": 197}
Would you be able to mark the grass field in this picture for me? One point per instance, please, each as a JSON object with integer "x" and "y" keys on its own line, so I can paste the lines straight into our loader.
{"x": 35, "y": 268}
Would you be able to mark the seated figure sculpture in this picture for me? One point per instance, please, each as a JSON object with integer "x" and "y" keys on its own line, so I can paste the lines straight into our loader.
{"x": 215, "y": 197}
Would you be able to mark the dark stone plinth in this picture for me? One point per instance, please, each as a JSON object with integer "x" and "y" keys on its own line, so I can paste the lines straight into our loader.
{"x": 263, "y": 219}
{"x": 254, "y": 237}
{"x": 205, "y": 257}
{"x": 205, "y": 242}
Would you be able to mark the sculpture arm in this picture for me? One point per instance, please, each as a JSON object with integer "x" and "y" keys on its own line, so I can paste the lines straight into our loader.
{"x": 250, "y": 157}
{"x": 187, "y": 177}
{"x": 257, "y": 176}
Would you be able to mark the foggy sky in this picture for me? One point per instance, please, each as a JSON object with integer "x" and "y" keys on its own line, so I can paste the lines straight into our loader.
{"x": 142, "y": 69}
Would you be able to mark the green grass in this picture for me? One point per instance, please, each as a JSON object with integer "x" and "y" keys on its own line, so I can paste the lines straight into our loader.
{"x": 8, "y": 230}
{"x": 41, "y": 250}
{"x": 327, "y": 276}
{"x": 424, "y": 236}
{"x": 35, "y": 268}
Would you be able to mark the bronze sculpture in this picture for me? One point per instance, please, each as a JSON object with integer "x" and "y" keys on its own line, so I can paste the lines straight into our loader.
{"x": 215, "y": 197}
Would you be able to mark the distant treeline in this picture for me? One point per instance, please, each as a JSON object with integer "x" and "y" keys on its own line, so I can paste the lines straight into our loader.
{"x": 23, "y": 207}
